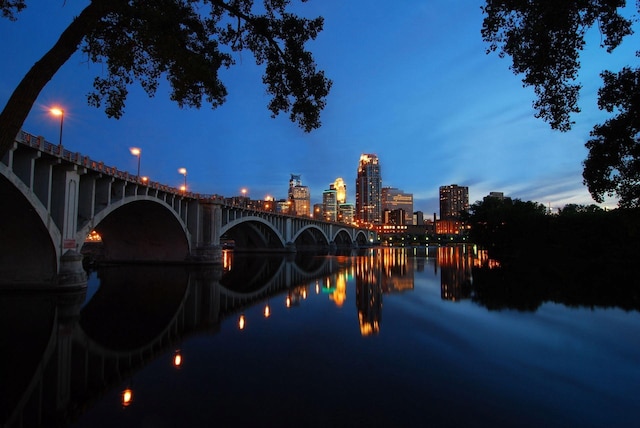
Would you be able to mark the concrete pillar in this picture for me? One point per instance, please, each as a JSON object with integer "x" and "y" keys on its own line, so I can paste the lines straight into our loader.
{"x": 64, "y": 211}
{"x": 71, "y": 273}
{"x": 206, "y": 240}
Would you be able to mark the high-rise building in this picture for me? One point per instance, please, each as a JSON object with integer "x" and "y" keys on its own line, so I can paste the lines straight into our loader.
{"x": 299, "y": 197}
{"x": 454, "y": 199}
{"x": 368, "y": 190}
{"x": 418, "y": 218}
{"x": 395, "y": 199}
{"x": 341, "y": 191}
{"x": 346, "y": 213}
{"x": 330, "y": 204}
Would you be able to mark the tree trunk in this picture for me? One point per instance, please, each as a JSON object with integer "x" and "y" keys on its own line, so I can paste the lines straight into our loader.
{"x": 26, "y": 93}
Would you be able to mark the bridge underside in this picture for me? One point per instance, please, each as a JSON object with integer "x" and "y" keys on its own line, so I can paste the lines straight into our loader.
{"x": 142, "y": 231}
{"x": 27, "y": 253}
{"x": 311, "y": 239}
{"x": 253, "y": 236}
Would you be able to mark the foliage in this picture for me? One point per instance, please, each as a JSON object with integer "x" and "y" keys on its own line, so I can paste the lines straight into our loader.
{"x": 500, "y": 225}
{"x": 584, "y": 256}
{"x": 613, "y": 164}
{"x": 9, "y": 8}
{"x": 544, "y": 38}
{"x": 186, "y": 42}
{"x": 572, "y": 209}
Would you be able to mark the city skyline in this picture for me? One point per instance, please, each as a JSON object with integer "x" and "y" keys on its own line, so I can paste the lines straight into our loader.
{"x": 421, "y": 94}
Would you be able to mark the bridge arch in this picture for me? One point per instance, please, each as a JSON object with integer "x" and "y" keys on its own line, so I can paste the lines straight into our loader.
{"x": 140, "y": 229}
{"x": 342, "y": 238}
{"x": 310, "y": 235}
{"x": 361, "y": 238}
{"x": 251, "y": 237}
{"x": 29, "y": 252}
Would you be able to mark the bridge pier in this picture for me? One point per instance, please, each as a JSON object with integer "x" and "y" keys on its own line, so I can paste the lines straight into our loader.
{"x": 290, "y": 247}
{"x": 71, "y": 272}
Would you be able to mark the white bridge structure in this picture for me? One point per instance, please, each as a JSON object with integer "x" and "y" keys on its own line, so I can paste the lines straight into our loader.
{"x": 53, "y": 199}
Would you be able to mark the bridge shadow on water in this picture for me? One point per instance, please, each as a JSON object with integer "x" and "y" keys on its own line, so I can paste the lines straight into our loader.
{"x": 65, "y": 350}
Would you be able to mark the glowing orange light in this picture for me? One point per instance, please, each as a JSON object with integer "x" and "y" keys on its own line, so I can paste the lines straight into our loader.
{"x": 288, "y": 302}
{"x": 145, "y": 179}
{"x": 177, "y": 360}
{"x": 135, "y": 151}
{"x": 57, "y": 111}
{"x": 127, "y": 397}
{"x": 241, "y": 322}
{"x": 267, "y": 311}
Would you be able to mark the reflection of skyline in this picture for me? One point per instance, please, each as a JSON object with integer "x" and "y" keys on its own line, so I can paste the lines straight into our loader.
{"x": 455, "y": 272}
{"x": 456, "y": 263}
{"x": 391, "y": 271}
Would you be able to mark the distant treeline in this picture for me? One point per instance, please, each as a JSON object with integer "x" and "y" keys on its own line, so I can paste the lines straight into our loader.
{"x": 582, "y": 256}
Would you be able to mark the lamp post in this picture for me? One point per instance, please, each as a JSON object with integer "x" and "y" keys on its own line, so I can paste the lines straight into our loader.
{"x": 59, "y": 112}
{"x": 183, "y": 171}
{"x": 137, "y": 152}
{"x": 244, "y": 197}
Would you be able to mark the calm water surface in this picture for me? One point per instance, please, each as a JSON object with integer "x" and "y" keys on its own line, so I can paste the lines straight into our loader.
{"x": 386, "y": 337}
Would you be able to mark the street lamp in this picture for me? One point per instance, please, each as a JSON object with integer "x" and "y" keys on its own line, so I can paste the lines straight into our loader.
{"x": 183, "y": 171}
{"x": 58, "y": 112}
{"x": 137, "y": 152}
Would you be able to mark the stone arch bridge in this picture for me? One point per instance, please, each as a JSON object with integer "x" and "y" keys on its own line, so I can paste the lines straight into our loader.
{"x": 53, "y": 198}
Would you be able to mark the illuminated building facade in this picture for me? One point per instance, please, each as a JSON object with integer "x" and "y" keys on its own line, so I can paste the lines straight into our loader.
{"x": 395, "y": 199}
{"x": 369, "y": 190}
{"x": 341, "y": 191}
{"x": 299, "y": 196}
{"x": 346, "y": 213}
{"x": 454, "y": 199}
{"x": 330, "y": 204}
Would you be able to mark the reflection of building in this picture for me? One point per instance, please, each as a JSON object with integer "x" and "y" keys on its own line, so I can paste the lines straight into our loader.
{"x": 397, "y": 270}
{"x": 368, "y": 190}
{"x": 339, "y": 295}
{"x": 395, "y": 200}
{"x": 296, "y": 295}
{"x": 391, "y": 271}
{"x": 299, "y": 196}
{"x": 455, "y": 272}
{"x": 368, "y": 295}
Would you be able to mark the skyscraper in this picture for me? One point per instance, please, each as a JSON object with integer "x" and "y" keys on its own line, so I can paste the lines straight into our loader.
{"x": 330, "y": 204}
{"x": 453, "y": 200}
{"x": 299, "y": 197}
{"x": 368, "y": 190}
{"x": 394, "y": 199}
{"x": 341, "y": 190}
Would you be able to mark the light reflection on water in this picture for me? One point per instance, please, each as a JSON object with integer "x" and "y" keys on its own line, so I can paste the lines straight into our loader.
{"x": 386, "y": 337}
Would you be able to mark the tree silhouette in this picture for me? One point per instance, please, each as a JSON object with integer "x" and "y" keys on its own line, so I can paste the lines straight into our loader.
{"x": 544, "y": 39}
{"x": 186, "y": 42}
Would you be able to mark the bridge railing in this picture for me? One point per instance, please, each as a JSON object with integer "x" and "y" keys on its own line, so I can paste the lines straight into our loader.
{"x": 39, "y": 143}
{"x": 77, "y": 158}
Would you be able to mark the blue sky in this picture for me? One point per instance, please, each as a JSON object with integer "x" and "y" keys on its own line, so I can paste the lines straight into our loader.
{"x": 411, "y": 83}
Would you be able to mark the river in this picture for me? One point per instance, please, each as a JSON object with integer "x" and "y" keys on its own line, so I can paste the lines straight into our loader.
{"x": 386, "y": 337}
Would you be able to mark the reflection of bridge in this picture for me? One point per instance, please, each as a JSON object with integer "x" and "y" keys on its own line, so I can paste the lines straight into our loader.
{"x": 58, "y": 197}
{"x": 72, "y": 356}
